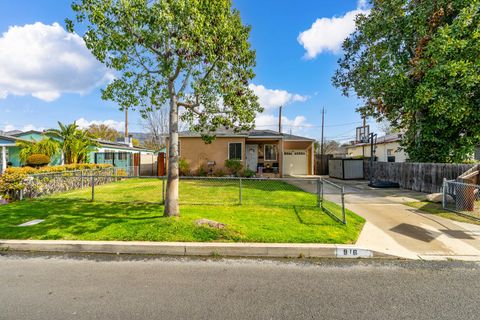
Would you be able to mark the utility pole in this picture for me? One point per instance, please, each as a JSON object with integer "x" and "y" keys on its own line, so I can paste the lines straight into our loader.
{"x": 322, "y": 142}
{"x": 126, "y": 126}
{"x": 364, "y": 125}
{"x": 280, "y": 120}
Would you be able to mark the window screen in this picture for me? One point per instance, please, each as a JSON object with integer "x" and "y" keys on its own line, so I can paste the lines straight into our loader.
{"x": 270, "y": 152}
{"x": 235, "y": 151}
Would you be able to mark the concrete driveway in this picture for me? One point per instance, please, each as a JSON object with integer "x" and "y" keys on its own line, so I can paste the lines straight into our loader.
{"x": 397, "y": 229}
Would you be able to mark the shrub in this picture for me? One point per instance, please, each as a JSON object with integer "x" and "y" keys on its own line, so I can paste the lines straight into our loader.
{"x": 183, "y": 167}
{"x": 233, "y": 166}
{"x": 219, "y": 173}
{"x": 38, "y": 160}
{"x": 247, "y": 173}
{"x": 202, "y": 171}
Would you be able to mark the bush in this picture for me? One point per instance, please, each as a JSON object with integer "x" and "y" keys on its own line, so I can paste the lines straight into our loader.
{"x": 183, "y": 167}
{"x": 38, "y": 160}
{"x": 247, "y": 173}
{"x": 234, "y": 166}
{"x": 219, "y": 173}
{"x": 202, "y": 171}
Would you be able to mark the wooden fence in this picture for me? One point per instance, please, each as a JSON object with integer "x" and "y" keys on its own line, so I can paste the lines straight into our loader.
{"x": 424, "y": 177}
{"x": 321, "y": 167}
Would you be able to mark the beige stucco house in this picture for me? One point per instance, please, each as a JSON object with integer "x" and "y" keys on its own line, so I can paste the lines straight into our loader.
{"x": 266, "y": 152}
{"x": 387, "y": 149}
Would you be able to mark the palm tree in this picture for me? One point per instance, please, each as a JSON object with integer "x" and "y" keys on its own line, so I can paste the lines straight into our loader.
{"x": 76, "y": 143}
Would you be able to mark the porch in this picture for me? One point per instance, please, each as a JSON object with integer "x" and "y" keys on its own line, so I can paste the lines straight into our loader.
{"x": 278, "y": 157}
{"x": 264, "y": 157}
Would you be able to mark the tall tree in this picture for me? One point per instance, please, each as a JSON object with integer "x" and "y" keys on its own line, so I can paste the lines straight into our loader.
{"x": 102, "y": 131}
{"x": 417, "y": 64}
{"x": 195, "y": 54}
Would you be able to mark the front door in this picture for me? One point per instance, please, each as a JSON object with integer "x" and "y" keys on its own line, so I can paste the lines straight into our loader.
{"x": 252, "y": 156}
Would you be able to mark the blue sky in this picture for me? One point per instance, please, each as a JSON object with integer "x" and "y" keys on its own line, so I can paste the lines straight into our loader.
{"x": 297, "y": 45}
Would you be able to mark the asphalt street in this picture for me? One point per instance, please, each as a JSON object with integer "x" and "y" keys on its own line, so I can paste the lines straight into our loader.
{"x": 106, "y": 287}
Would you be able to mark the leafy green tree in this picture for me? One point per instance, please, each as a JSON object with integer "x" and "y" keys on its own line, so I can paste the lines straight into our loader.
{"x": 102, "y": 131}
{"x": 46, "y": 146}
{"x": 417, "y": 64}
{"x": 193, "y": 54}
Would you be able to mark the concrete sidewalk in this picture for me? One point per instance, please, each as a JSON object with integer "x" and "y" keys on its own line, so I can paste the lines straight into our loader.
{"x": 397, "y": 229}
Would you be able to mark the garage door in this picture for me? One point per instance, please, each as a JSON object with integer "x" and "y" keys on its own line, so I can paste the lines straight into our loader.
{"x": 295, "y": 162}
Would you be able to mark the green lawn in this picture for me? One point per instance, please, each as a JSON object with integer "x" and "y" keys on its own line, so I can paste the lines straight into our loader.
{"x": 272, "y": 211}
{"x": 436, "y": 208}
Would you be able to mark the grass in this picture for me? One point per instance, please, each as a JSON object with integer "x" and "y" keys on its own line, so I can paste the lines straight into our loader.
{"x": 272, "y": 211}
{"x": 436, "y": 209}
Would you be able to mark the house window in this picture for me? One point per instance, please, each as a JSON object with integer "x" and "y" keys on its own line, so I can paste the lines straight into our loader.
{"x": 122, "y": 156}
{"x": 235, "y": 151}
{"x": 270, "y": 152}
{"x": 109, "y": 156}
{"x": 390, "y": 152}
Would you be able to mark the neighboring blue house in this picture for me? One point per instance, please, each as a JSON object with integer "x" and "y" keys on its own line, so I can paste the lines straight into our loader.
{"x": 119, "y": 154}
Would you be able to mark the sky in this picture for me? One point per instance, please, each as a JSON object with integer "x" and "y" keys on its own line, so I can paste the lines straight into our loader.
{"x": 48, "y": 75}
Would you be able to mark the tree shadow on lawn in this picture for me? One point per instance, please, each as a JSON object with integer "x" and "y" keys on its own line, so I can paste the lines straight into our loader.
{"x": 70, "y": 216}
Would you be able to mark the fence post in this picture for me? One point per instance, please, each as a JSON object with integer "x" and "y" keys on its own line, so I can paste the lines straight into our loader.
{"x": 343, "y": 207}
{"x": 240, "y": 190}
{"x": 444, "y": 191}
{"x": 318, "y": 192}
{"x": 321, "y": 193}
{"x": 93, "y": 188}
{"x": 163, "y": 190}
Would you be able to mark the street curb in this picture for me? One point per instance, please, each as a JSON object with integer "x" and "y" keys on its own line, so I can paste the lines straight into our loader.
{"x": 263, "y": 250}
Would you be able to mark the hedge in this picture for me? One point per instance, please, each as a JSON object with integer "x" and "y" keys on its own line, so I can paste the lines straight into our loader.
{"x": 13, "y": 180}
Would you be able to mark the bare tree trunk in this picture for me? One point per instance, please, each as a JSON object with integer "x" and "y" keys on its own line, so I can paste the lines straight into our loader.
{"x": 171, "y": 199}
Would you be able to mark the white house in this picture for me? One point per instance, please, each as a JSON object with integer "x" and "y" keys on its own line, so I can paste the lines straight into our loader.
{"x": 387, "y": 149}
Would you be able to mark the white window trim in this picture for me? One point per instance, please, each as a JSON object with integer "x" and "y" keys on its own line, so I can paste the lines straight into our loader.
{"x": 265, "y": 153}
{"x": 241, "y": 150}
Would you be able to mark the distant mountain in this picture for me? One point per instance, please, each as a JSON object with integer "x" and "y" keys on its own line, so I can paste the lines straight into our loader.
{"x": 9, "y": 133}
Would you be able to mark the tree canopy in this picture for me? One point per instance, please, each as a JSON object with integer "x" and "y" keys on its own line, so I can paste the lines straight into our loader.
{"x": 417, "y": 64}
{"x": 193, "y": 54}
{"x": 103, "y": 132}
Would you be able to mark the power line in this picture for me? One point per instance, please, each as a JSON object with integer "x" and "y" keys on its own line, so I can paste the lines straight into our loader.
{"x": 308, "y": 125}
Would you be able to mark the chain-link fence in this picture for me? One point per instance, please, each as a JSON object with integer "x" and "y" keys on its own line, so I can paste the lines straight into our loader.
{"x": 461, "y": 198}
{"x": 117, "y": 186}
{"x": 332, "y": 200}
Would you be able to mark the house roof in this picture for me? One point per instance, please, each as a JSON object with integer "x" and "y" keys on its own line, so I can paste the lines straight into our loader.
{"x": 120, "y": 145}
{"x": 380, "y": 140}
{"x": 12, "y": 138}
{"x": 252, "y": 134}
{"x": 26, "y": 132}
{"x": 8, "y": 138}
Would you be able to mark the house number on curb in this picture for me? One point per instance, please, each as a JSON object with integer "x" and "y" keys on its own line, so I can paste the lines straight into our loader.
{"x": 353, "y": 253}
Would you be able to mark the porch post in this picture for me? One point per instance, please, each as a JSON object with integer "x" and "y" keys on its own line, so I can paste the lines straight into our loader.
{"x": 4, "y": 159}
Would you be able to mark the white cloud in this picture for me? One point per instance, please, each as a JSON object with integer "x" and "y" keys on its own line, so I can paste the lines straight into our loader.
{"x": 270, "y": 121}
{"x": 270, "y": 100}
{"x": 117, "y": 125}
{"x": 274, "y": 98}
{"x": 327, "y": 34}
{"x": 45, "y": 61}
